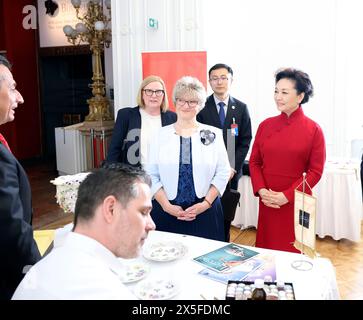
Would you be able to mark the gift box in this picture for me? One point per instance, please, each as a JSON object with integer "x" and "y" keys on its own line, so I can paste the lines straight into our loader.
{"x": 242, "y": 290}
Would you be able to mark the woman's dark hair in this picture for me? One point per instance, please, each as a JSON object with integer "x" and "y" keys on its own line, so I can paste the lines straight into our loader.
{"x": 301, "y": 79}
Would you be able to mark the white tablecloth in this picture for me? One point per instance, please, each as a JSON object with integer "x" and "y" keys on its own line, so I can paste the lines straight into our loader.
{"x": 317, "y": 283}
{"x": 247, "y": 213}
{"x": 339, "y": 205}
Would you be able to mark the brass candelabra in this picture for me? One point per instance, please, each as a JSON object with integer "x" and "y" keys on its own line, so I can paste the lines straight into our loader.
{"x": 93, "y": 29}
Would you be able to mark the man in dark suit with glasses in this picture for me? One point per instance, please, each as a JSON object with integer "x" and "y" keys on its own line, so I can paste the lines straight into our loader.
{"x": 231, "y": 115}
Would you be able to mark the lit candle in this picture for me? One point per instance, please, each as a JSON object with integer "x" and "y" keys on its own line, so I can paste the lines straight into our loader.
{"x": 108, "y": 4}
{"x": 99, "y": 25}
{"x": 80, "y": 27}
{"x": 76, "y": 3}
{"x": 67, "y": 30}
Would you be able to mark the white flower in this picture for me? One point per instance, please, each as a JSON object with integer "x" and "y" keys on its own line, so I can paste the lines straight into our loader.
{"x": 207, "y": 137}
{"x": 67, "y": 189}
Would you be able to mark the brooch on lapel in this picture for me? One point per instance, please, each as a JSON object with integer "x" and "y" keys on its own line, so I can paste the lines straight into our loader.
{"x": 207, "y": 137}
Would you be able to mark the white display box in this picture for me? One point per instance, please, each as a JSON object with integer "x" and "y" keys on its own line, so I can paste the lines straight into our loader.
{"x": 70, "y": 150}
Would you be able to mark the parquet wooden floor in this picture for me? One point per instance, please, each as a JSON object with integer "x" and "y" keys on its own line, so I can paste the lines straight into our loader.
{"x": 346, "y": 256}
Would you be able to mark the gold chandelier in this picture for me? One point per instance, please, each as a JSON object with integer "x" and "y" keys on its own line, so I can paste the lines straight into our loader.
{"x": 93, "y": 29}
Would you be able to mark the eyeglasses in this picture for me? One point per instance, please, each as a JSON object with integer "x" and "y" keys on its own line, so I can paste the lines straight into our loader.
{"x": 150, "y": 92}
{"x": 191, "y": 103}
{"x": 216, "y": 79}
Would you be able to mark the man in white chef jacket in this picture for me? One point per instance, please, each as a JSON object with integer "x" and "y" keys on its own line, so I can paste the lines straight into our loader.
{"x": 112, "y": 220}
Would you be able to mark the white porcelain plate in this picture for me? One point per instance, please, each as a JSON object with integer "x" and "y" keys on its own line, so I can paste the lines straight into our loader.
{"x": 156, "y": 289}
{"x": 164, "y": 251}
{"x": 134, "y": 272}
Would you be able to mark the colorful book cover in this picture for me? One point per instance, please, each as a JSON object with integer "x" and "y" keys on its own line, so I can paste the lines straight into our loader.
{"x": 268, "y": 268}
{"x": 225, "y": 258}
{"x": 236, "y": 274}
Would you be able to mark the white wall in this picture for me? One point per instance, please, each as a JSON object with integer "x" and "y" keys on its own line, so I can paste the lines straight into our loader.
{"x": 178, "y": 30}
{"x": 323, "y": 38}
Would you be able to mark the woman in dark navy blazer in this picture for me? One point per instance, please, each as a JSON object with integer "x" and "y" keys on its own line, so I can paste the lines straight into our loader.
{"x": 136, "y": 127}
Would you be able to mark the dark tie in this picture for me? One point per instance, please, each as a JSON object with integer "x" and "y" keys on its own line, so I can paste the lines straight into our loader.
{"x": 222, "y": 115}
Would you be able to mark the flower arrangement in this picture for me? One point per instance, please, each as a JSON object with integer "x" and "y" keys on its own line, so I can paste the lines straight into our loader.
{"x": 207, "y": 137}
{"x": 67, "y": 189}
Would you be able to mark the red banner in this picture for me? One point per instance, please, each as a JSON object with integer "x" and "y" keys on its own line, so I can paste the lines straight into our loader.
{"x": 171, "y": 66}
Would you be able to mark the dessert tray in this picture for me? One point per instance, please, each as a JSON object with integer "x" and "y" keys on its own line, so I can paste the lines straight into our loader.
{"x": 164, "y": 251}
{"x": 134, "y": 272}
{"x": 156, "y": 289}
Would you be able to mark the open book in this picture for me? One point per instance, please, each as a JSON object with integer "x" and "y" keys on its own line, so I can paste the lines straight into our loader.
{"x": 225, "y": 258}
{"x": 236, "y": 274}
{"x": 258, "y": 267}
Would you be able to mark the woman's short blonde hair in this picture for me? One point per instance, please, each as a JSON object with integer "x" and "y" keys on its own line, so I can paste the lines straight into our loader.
{"x": 192, "y": 87}
{"x": 140, "y": 101}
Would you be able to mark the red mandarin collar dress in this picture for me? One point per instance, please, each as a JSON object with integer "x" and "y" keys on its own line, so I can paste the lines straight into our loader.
{"x": 283, "y": 149}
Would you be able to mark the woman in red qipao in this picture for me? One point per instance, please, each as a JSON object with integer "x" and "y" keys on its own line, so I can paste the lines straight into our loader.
{"x": 285, "y": 147}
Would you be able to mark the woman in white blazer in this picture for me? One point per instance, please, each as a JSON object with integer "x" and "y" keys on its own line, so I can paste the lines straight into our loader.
{"x": 189, "y": 169}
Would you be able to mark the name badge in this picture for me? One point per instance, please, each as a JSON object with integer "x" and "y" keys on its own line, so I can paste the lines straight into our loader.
{"x": 234, "y": 129}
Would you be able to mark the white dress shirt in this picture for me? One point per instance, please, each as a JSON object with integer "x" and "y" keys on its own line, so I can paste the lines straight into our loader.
{"x": 80, "y": 268}
{"x": 149, "y": 127}
{"x": 225, "y": 101}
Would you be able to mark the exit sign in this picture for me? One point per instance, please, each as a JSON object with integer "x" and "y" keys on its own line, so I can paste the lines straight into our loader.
{"x": 153, "y": 23}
